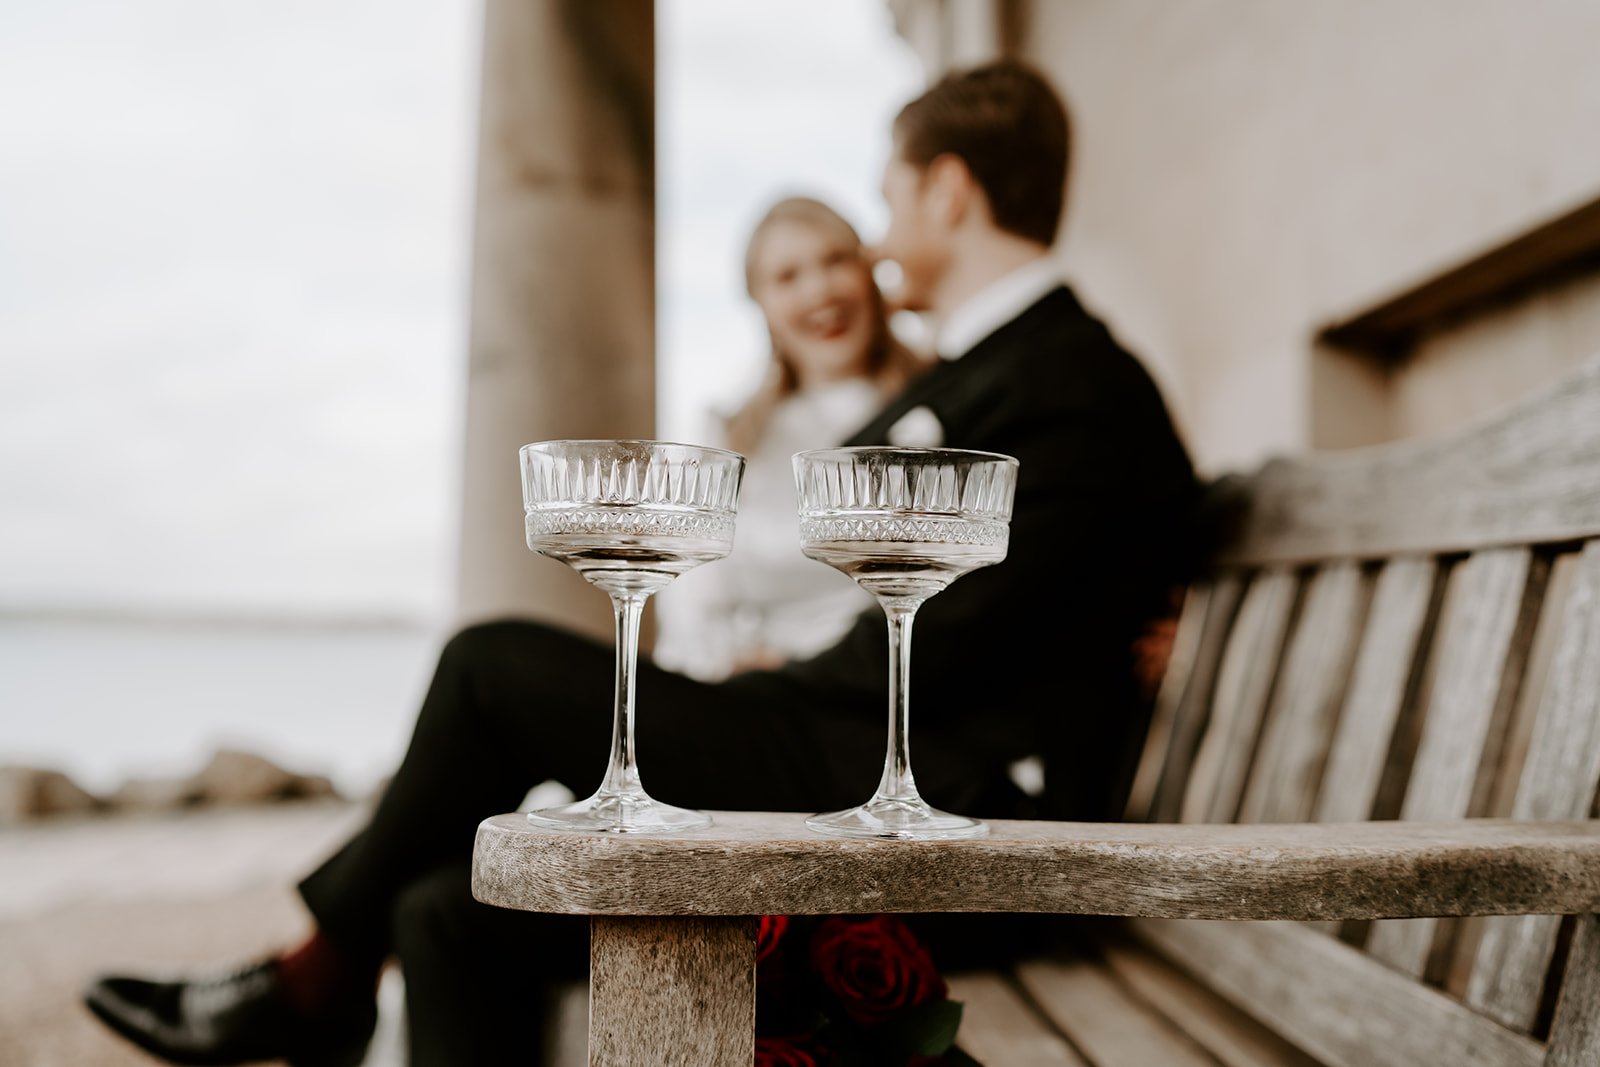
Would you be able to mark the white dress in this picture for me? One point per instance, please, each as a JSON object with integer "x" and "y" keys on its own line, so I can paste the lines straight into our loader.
{"x": 765, "y": 595}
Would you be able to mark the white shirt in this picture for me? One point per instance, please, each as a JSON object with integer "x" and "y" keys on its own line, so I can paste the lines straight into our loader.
{"x": 994, "y": 305}
{"x": 766, "y": 595}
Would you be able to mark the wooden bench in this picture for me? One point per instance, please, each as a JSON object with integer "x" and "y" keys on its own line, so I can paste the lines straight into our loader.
{"x": 1362, "y": 833}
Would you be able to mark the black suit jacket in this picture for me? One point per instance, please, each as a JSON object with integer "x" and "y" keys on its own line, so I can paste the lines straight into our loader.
{"x": 1033, "y": 655}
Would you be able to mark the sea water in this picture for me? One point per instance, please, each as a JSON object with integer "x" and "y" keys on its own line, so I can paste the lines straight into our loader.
{"x": 108, "y": 699}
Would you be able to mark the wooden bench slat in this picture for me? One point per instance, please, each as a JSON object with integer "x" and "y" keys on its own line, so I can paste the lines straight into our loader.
{"x": 1228, "y": 1034}
{"x": 1111, "y": 1027}
{"x": 1559, "y": 775}
{"x": 756, "y": 863}
{"x": 1380, "y": 680}
{"x": 1299, "y": 724}
{"x": 1462, "y": 954}
{"x": 1181, "y": 663}
{"x": 1338, "y": 1004}
{"x": 1000, "y": 1027}
{"x": 1554, "y": 603}
{"x": 1575, "y": 1033}
{"x": 1505, "y": 481}
{"x": 1480, "y": 633}
{"x": 1244, "y": 685}
{"x": 1169, "y": 764}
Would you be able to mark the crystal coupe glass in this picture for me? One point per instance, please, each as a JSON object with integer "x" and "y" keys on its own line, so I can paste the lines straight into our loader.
{"x": 630, "y": 516}
{"x": 903, "y": 523}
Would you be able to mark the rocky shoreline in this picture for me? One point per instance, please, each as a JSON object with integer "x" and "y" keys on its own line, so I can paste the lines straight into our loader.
{"x": 230, "y": 777}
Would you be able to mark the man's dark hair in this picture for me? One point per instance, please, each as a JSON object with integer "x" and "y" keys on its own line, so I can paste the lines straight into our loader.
{"x": 1006, "y": 122}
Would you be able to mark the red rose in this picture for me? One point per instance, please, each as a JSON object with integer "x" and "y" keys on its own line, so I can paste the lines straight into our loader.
{"x": 875, "y": 966}
{"x": 769, "y": 934}
{"x": 786, "y": 1052}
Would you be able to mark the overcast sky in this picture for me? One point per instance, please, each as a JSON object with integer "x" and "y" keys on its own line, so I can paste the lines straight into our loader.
{"x": 233, "y": 247}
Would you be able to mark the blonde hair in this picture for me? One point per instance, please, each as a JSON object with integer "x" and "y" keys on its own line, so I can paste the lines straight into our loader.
{"x": 889, "y": 363}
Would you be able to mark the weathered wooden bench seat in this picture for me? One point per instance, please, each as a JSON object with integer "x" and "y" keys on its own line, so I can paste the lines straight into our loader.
{"x": 1363, "y": 831}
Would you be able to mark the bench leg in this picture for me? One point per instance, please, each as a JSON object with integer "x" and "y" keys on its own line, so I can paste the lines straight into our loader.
{"x": 672, "y": 991}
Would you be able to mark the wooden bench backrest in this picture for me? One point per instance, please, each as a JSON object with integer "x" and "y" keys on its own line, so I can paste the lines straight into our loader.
{"x": 1407, "y": 631}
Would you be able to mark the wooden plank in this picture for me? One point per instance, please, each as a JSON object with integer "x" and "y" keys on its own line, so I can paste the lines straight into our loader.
{"x": 1344, "y": 1008}
{"x": 672, "y": 991}
{"x": 1383, "y": 674}
{"x": 1524, "y": 477}
{"x": 1533, "y": 259}
{"x": 1113, "y": 1028}
{"x": 1186, "y": 643}
{"x": 1519, "y": 736}
{"x": 1547, "y": 636}
{"x": 1305, "y": 704}
{"x": 756, "y": 863}
{"x": 1233, "y": 1038}
{"x": 1000, "y": 1027}
{"x": 1244, "y": 685}
{"x": 1479, "y": 634}
{"x": 1170, "y": 769}
{"x": 1559, "y": 776}
{"x": 1575, "y": 1032}
{"x": 1479, "y": 630}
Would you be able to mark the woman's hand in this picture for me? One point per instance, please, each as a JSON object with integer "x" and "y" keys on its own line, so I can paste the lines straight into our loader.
{"x": 886, "y": 273}
{"x": 758, "y": 659}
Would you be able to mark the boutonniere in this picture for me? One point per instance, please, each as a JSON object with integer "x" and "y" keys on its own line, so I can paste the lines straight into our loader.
{"x": 917, "y": 428}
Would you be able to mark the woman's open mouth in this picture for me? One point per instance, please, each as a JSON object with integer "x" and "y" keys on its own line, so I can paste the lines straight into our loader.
{"x": 829, "y": 322}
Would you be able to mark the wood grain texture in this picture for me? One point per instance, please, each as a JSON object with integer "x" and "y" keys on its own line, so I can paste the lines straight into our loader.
{"x": 1244, "y": 685}
{"x": 1478, "y": 630}
{"x": 1305, "y": 704}
{"x": 1000, "y": 1027}
{"x": 1379, "y": 682}
{"x": 1523, "y": 477}
{"x": 755, "y": 863}
{"x": 1575, "y": 1032}
{"x": 1342, "y": 1007}
{"x": 672, "y": 991}
{"x": 1186, "y": 641}
{"x": 1233, "y": 1038}
{"x": 1112, "y": 1027}
{"x": 1559, "y": 776}
{"x": 1171, "y": 767}
{"x": 1553, "y": 606}
{"x": 1477, "y": 634}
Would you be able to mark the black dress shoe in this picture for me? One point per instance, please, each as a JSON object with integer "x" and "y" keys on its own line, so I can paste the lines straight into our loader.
{"x": 238, "y": 1017}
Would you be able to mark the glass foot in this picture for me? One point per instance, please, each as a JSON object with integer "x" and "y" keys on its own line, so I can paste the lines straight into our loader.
{"x": 902, "y": 819}
{"x": 622, "y": 813}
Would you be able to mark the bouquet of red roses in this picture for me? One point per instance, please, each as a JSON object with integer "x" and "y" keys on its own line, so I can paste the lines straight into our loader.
{"x": 851, "y": 991}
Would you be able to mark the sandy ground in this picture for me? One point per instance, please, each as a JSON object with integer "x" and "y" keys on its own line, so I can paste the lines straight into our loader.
{"x": 150, "y": 893}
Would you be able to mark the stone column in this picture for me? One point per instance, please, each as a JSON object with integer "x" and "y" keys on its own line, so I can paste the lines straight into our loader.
{"x": 562, "y": 331}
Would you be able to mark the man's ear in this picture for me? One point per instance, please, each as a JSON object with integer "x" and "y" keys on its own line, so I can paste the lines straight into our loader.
{"x": 950, "y": 189}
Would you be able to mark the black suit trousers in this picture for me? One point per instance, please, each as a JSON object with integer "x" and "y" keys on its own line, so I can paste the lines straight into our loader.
{"x": 513, "y": 704}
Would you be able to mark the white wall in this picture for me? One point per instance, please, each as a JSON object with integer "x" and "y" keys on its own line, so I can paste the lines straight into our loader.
{"x": 1249, "y": 170}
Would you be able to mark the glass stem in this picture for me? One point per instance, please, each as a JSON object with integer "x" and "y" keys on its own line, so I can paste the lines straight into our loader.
{"x": 897, "y": 783}
{"x": 622, "y": 774}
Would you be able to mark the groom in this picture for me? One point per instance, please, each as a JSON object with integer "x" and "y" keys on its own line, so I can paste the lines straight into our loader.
{"x": 1031, "y": 657}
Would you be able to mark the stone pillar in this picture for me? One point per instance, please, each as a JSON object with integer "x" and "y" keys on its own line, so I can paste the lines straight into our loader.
{"x": 562, "y": 331}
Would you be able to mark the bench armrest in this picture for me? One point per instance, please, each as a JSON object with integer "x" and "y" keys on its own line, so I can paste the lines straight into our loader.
{"x": 756, "y": 863}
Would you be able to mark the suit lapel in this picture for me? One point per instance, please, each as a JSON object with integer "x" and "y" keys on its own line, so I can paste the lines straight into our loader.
{"x": 952, "y": 378}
